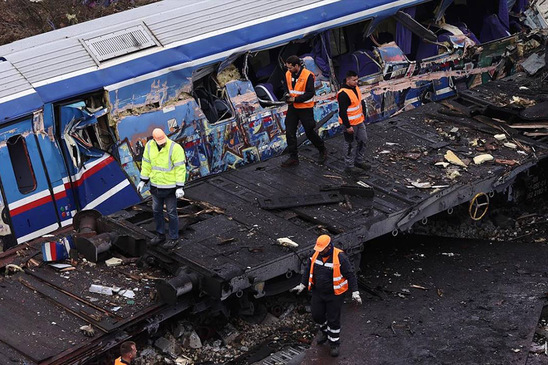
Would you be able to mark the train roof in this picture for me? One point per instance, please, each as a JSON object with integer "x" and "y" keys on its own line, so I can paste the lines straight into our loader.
{"x": 167, "y": 35}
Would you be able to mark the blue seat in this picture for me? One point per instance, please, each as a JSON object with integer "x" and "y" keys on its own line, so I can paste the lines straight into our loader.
{"x": 265, "y": 92}
{"x": 492, "y": 29}
{"x": 358, "y": 62}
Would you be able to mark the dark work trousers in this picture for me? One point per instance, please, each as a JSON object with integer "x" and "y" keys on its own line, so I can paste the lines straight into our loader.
{"x": 306, "y": 116}
{"x": 326, "y": 312}
{"x": 167, "y": 197}
{"x": 357, "y": 139}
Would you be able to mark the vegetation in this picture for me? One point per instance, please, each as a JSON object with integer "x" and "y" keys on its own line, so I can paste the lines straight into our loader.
{"x": 24, "y": 18}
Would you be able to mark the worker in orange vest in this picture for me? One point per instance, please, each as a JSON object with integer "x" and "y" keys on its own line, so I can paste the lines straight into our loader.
{"x": 328, "y": 275}
{"x": 128, "y": 350}
{"x": 352, "y": 118}
{"x": 300, "y": 88}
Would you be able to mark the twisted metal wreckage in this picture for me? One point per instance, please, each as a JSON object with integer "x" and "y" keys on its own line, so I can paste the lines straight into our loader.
{"x": 77, "y": 106}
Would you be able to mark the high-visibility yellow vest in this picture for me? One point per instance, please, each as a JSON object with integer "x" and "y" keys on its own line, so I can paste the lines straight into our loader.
{"x": 340, "y": 284}
{"x": 165, "y": 168}
{"x": 354, "y": 111}
{"x": 299, "y": 88}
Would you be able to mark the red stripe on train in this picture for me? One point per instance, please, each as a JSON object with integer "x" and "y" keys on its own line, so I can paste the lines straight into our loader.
{"x": 90, "y": 172}
{"x": 37, "y": 203}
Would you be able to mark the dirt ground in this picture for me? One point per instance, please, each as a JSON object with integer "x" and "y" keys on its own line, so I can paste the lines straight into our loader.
{"x": 445, "y": 301}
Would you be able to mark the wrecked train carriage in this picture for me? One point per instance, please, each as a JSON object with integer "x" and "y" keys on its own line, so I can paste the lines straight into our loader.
{"x": 79, "y": 103}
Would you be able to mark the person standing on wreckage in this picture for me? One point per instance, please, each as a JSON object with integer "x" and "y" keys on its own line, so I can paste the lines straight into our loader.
{"x": 300, "y": 87}
{"x": 330, "y": 275}
{"x": 164, "y": 165}
{"x": 352, "y": 118}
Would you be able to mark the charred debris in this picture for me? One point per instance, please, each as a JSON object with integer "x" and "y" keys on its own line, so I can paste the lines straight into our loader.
{"x": 74, "y": 295}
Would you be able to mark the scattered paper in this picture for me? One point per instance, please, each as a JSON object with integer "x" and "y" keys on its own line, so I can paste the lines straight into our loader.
{"x": 127, "y": 293}
{"x": 452, "y": 158}
{"x": 287, "y": 242}
{"x": 99, "y": 289}
{"x": 113, "y": 261}
{"x": 478, "y": 160}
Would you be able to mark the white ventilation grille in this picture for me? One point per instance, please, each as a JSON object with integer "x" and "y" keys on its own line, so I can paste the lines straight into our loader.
{"x": 120, "y": 43}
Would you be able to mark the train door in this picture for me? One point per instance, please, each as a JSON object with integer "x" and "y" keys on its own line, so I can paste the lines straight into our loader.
{"x": 96, "y": 178}
{"x": 29, "y": 202}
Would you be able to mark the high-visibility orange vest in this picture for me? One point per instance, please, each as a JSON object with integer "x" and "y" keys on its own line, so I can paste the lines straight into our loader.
{"x": 354, "y": 111}
{"x": 299, "y": 88}
{"x": 340, "y": 284}
{"x": 119, "y": 361}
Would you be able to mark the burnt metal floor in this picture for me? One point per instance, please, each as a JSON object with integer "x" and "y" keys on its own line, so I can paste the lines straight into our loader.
{"x": 230, "y": 243}
{"x": 235, "y": 247}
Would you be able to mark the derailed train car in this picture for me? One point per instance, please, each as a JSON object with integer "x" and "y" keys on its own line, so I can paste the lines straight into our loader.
{"x": 77, "y": 105}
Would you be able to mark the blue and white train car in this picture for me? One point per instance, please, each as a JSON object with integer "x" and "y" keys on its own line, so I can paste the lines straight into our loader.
{"x": 78, "y": 104}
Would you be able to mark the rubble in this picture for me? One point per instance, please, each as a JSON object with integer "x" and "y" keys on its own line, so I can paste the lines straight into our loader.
{"x": 195, "y": 340}
{"x": 453, "y": 159}
{"x": 478, "y": 160}
{"x": 519, "y": 222}
{"x": 114, "y": 261}
{"x": 287, "y": 242}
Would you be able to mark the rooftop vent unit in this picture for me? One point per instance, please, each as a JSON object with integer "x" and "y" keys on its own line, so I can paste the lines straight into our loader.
{"x": 119, "y": 43}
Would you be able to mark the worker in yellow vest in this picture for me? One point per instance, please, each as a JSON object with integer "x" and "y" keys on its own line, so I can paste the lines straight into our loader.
{"x": 328, "y": 275}
{"x": 300, "y": 88}
{"x": 352, "y": 118}
{"x": 164, "y": 166}
{"x": 128, "y": 350}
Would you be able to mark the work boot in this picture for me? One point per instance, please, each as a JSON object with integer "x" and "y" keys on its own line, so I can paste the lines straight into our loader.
{"x": 362, "y": 165}
{"x": 291, "y": 161}
{"x": 353, "y": 171}
{"x": 334, "y": 350}
{"x": 322, "y": 338}
{"x": 323, "y": 156}
{"x": 157, "y": 240}
{"x": 170, "y": 244}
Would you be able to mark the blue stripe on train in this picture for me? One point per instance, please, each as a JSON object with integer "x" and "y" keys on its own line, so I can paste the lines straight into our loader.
{"x": 206, "y": 47}
{"x": 121, "y": 200}
{"x": 40, "y": 217}
{"x": 19, "y": 107}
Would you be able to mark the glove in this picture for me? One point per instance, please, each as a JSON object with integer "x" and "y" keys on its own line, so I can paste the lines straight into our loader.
{"x": 179, "y": 193}
{"x": 356, "y": 297}
{"x": 298, "y": 289}
{"x": 141, "y": 186}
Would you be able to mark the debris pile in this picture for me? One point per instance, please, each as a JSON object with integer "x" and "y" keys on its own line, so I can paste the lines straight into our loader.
{"x": 539, "y": 347}
{"x": 196, "y": 340}
{"x": 524, "y": 222}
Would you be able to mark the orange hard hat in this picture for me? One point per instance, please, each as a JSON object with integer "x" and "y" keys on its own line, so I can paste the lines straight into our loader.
{"x": 322, "y": 242}
{"x": 159, "y": 136}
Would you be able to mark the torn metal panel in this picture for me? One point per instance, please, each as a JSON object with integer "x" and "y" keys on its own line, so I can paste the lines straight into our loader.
{"x": 155, "y": 93}
{"x": 395, "y": 63}
{"x": 417, "y": 28}
{"x": 441, "y": 8}
{"x": 537, "y": 14}
{"x": 95, "y": 178}
{"x": 533, "y": 63}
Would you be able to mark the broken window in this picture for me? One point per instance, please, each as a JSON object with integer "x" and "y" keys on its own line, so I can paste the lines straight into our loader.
{"x": 209, "y": 94}
{"x": 337, "y": 42}
{"x": 84, "y": 128}
{"x": 22, "y": 166}
{"x": 352, "y": 50}
{"x": 266, "y": 68}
